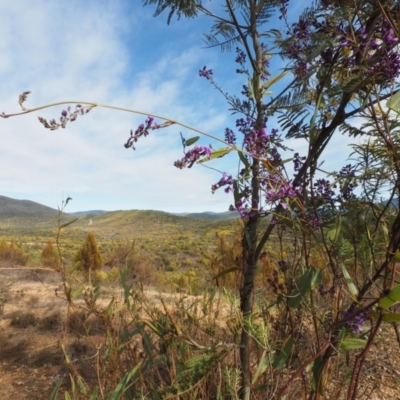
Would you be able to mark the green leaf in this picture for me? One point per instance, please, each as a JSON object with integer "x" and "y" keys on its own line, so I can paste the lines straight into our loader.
{"x": 54, "y": 393}
{"x": 74, "y": 267}
{"x": 192, "y": 140}
{"x": 394, "y": 102}
{"x": 259, "y": 6}
{"x": 283, "y": 355}
{"x": 352, "y": 287}
{"x": 353, "y": 344}
{"x": 155, "y": 328}
{"x": 243, "y": 159}
{"x": 250, "y": 88}
{"x": 67, "y": 396}
{"x": 82, "y": 386}
{"x": 262, "y": 366}
{"x": 274, "y": 79}
{"x": 122, "y": 385}
{"x": 391, "y": 317}
{"x": 316, "y": 368}
{"x": 310, "y": 278}
{"x": 95, "y": 393}
{"x": 318, "y": 50}
{"x": 109, "y": 308}
{"x": 68, "y": 223}
{"x": 392, "y": 298}
{"x": 217, "y": 154}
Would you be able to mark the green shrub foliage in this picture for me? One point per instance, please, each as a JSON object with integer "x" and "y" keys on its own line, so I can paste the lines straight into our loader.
{"x": 49, "y": 257}
{"x": 89, "y": 255}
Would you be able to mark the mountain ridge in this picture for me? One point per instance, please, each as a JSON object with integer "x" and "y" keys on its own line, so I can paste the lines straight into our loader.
{"x": 13, "y": 208}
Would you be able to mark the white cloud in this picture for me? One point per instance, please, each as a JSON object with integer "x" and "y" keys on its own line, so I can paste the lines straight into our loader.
{"x": 81, "y": 51}
{"x": 114, "y": 53}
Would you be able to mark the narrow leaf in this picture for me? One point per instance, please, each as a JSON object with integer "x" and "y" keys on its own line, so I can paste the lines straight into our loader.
{"x": 391, "y": 317}
{"x": 353, "y": 344}
{"x": 309, "y": 279}
{"x": 217, "y": 154}
{"x": 316, "y": 368}
{"x": 192, "y": 140}
{"x": 392, "y": 298}
{"x": 283, "y": 355}
{"x": 262, "y": 366}
{"x": 274, "y": 79}
{"x": 243, "y": 159}
{"x": 352, "y": 287}
{"x": 54, "y": 393}
{"x": 122, "y": 385}
{"x": 394, "y": 102}
{"x": 68, "y": 223}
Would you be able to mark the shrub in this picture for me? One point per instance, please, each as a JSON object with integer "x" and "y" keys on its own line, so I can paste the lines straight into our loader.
{"x": 49, "y": 257}
{"x": 113, "y": 274}
{"x": 12, "y": 253}
{"x": 89, "y": 255}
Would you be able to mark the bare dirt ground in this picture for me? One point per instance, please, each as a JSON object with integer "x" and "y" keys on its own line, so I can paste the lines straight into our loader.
{"x": 31, "y": 360}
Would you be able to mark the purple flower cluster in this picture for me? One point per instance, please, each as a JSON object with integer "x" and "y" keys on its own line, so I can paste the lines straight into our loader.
{"x": 192, "y": 156}
{"x": 242, "y": 206}
{"x": 206, "y": 73}
{"x": 142, "y": 130}
{"x": 380, "y": 52}
{"x": 241, "y": 60}
{"x": 356, "y": 320}
{"x": 256, "y": 142}
{"x": 230, "y": 136}
{"x": 302, "y": 30}
{"x": 347, "y": 181}
{"x": 281, "y": 193}
{"x": 66, "y": 116}
{"x": 313, "y": 221}
{"x": 226, "y": 180}
{"x": 283, "y": 8}
{"x": 323, "y": 188}
{"x": 301, "y": 44}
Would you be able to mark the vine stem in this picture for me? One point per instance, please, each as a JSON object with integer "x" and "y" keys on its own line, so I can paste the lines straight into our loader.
{"x": 110, "y": 107}
{"x": 169, "y": 122}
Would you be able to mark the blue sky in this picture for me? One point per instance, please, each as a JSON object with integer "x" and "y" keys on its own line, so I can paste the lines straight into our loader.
{"x": 112, "y": 52}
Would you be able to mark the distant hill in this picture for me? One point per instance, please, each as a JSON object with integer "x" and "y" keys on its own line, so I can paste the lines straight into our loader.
{"x": 12, "y": 208}
{"x": 228, "y": 215}
{"x": 25, "y": 217}
{"x": 210, "y": 215}
{"x": 88, "y": 213}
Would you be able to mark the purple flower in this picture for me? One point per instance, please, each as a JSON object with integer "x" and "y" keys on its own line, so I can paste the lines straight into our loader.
{"x": 323, "y": 188}
{"x": 230, "y": 136}
{"x": 206, "y": 73}
{"x": 64, "y": 113}
{"x": 141, "y": 130}
{"x": 192, "y": 156}
{"x": 356, "y": 320}
{"x": 240, "y": 56}
{"x": 226, "y": 180}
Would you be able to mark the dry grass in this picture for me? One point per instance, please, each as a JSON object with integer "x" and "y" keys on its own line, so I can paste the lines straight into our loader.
{"x": 32, "y": 328}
